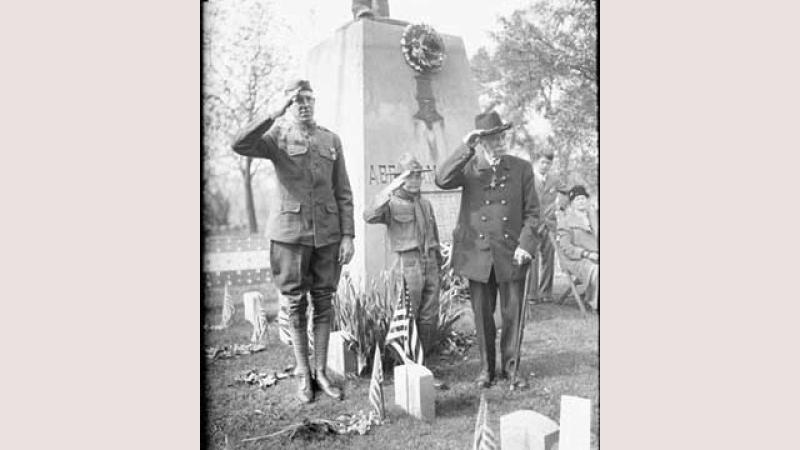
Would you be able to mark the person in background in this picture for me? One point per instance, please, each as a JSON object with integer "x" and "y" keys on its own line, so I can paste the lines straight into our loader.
{"x": 311, "y": 234}
{"x": 579, "y": 242}
{"x": 549, "y": 188}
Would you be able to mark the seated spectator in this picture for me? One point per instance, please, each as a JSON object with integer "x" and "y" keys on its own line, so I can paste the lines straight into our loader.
{"x": 578, "y": 242}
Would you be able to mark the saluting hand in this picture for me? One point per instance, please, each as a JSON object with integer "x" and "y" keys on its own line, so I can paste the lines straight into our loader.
{"x": 282, "y": 104}
{"x": 471, "y": 139}
{"x": 386, "y": 193}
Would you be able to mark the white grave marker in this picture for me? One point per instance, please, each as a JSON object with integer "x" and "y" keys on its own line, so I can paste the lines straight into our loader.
{"x": 341, "y": 360}
{"x": 576, "y": 415}
{"x": 413, "y": 390}
{"x": 528, "y": 430}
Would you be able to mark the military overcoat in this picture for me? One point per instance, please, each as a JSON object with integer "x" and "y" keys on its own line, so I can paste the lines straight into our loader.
{"x": 499, "y": 211}
{"x": 316, "y": 202}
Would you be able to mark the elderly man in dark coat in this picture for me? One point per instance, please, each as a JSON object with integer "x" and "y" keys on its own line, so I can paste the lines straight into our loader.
{"x": 311, "y": 234}
{"x": 495, "y": 236}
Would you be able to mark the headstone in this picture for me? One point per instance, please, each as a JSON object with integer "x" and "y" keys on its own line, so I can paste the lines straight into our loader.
{"x": 255, "y": 312}
{"x": 413, "y": 390}
{"x": 528, "y": 430}
{"x": 380, "y": 107}
{"x": 575, "y": 420}
{"x": 341, "y": 360}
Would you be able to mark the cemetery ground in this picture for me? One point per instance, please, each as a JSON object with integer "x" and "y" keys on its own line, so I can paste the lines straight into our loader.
{"x": 560, "y": 348}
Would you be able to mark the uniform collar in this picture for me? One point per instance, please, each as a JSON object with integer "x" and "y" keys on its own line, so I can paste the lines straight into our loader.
{"x": 483, "y": 163}
{"x": 309, "y": 129}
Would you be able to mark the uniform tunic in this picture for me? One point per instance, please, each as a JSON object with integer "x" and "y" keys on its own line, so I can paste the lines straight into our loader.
{"x": 499, "y": 211}
{"x": 316, "y": 202}
{"x": 315, "y": 209}
{"x": 414, "y": 237}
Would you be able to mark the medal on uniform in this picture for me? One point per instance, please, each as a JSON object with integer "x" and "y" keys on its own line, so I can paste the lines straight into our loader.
{"x": 493, "y": 183}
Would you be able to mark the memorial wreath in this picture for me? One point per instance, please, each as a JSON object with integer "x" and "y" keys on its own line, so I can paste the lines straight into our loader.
{"x": 423, "y": 48}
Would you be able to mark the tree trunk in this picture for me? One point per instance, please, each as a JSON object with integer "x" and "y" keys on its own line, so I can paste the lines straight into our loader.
{"x": 247, "y": 175}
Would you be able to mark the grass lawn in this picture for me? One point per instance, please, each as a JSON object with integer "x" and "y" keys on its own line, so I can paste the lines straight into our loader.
{"x": 560, "y": 348}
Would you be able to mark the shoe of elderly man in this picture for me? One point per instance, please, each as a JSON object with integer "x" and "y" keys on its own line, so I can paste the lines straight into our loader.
{"x": 484, "y": 380}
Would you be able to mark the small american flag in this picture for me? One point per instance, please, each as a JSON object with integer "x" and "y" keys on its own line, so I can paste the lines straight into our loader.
{"x": 375, "y": 387}
{"x": 484, "y": 436}
{"x": 228, "y": 310}
{"x": 402, "y": 335}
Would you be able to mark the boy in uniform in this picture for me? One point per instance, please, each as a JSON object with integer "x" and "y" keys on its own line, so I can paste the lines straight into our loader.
{"x": 414, "y": 240}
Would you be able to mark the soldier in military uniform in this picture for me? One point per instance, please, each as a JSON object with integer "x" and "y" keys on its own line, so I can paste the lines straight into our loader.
{"x": 312, "y": 230}
{"x": 495, "y": 236}
{"x": 414, "y": 239}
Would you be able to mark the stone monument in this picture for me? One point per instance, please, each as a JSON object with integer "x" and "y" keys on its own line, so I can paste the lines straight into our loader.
{"x": 388, "y": 87}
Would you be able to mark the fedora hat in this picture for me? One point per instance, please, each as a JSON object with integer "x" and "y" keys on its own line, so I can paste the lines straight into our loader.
{"x": 490, "y": 123}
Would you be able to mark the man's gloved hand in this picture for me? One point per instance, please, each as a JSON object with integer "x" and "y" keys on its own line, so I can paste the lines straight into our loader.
{"x": 521, "y": 256}
{"x": 471, "y": 139}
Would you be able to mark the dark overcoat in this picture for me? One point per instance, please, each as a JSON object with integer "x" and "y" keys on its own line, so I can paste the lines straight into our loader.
{"x": 316, "y": 202}
{"x": 494, "y": 218}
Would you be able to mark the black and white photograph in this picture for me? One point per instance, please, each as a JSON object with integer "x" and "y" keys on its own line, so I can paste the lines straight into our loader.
{"x": 400, "y": 224}
{"x": 389, "y": 213}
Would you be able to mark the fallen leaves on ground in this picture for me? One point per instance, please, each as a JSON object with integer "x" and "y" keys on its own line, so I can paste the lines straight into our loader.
{"x": 457, "y": 344}
{"x": 317, "y": 429}
{"x": 231, "y": 351}
{"x": 263, "y": 380}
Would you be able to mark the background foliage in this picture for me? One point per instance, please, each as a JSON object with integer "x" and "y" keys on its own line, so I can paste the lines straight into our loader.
{"x": 543, "y": 75}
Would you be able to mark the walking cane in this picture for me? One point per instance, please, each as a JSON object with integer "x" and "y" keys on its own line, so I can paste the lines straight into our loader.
{"x": 518, "y": 347}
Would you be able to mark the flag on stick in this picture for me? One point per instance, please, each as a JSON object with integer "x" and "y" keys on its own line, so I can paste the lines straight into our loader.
{"x": 227, "y": 311}
{"x": 375, "y": 387}
{"x": 403, "y": 336}
{"x": 484, "y": 436}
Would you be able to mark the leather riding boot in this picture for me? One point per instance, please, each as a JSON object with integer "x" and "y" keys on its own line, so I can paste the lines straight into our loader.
{"x": 300, "y": 347}
{"x": 322, "y": 333}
